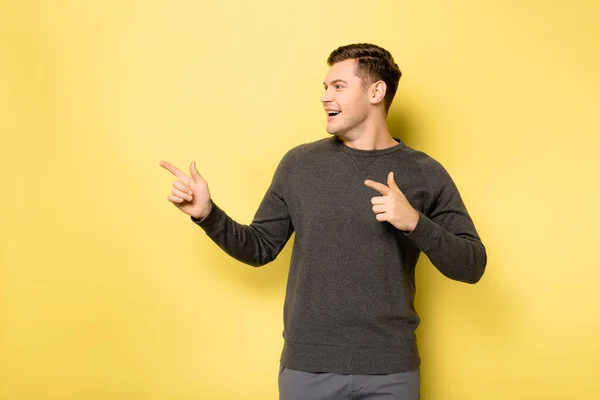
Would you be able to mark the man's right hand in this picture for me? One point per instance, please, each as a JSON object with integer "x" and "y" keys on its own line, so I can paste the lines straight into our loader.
{"x": 189, "y": 194}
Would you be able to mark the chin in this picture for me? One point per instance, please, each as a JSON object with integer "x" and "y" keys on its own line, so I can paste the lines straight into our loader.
{"x": 334, "y": 131}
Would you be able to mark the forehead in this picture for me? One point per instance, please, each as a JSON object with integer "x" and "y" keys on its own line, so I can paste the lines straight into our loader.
{"x": 343, "y": 70}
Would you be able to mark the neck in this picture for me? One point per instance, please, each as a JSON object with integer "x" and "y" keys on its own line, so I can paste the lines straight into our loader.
{"x": 372, "y": 134}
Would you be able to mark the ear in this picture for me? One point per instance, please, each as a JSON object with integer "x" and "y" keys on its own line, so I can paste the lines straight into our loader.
{"x": 377, "y": 92}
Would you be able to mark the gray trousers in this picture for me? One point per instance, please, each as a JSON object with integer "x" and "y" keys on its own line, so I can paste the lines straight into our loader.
{"x": 299, "y": 385}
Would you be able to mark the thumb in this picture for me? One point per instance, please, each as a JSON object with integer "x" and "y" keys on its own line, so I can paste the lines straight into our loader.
{"x": 391, "y": 182}
{"x": 196, "y": 177}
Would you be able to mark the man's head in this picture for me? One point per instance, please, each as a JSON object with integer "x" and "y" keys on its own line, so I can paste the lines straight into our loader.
{"x": 361, "y": 82}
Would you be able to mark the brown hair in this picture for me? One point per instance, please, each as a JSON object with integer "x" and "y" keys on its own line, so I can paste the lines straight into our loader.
{"x": 373, "y": 63}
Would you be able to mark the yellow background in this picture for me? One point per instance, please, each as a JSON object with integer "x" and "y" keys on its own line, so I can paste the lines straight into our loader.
{"x": 108, "y": 292}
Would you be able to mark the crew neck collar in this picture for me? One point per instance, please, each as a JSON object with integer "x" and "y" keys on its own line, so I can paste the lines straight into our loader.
{"x": 367, "y": 153}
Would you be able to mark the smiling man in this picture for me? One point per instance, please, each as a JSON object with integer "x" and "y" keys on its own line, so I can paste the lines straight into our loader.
{"x": 364, "y": 206}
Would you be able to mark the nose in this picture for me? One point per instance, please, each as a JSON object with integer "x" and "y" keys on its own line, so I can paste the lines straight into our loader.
{"x": 326, "y": 97}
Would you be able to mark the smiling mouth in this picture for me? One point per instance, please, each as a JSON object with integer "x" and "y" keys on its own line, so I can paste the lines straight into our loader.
{"x": 333, "y": 113}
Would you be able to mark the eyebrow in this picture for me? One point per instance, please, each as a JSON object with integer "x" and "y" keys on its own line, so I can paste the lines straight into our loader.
{"x": 336, "y": 81}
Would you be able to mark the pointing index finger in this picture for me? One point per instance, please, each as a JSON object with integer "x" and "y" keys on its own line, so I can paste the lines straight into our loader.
{"x": 174, "y": 170}
{"x": 381, "y": 188}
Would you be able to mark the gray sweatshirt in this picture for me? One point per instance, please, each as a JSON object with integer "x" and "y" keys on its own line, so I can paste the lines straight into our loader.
{"x": 351, "y": 286}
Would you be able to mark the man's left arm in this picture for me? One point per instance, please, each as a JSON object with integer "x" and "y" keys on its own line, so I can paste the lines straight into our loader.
{"x": 447, "y": 234}
{"x": 444, "y": 232}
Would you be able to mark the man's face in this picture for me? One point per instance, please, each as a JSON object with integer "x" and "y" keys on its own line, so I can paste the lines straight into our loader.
{"x": 345, "y": 99}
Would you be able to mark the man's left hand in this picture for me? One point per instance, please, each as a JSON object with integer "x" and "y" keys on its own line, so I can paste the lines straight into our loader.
{"x": 393, "y": 206}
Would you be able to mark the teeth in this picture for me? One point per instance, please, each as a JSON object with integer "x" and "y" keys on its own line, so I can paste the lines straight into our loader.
{"x": 332, "y": 113}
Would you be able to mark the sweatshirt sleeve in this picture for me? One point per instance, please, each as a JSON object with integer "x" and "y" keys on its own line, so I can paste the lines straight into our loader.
{"x": 446, "y": 233}
{"x": 260, "y": 242}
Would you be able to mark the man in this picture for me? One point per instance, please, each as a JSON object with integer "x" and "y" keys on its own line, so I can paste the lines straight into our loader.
{"x": 363, "y": 206}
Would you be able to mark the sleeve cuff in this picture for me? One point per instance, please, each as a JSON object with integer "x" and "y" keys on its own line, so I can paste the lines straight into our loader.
{"x": 425, "y": 233}
{"x": 213, "y": 223}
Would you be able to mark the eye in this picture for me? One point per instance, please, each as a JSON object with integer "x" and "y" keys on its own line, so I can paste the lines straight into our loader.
{"x": 338, "y": 86}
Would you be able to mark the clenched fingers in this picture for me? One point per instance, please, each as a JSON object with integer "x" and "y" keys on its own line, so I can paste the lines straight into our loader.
{"x": 379, "y": 209}
{"x": 175, "y": 200}
{"x": 182, "y": 187}
{"x": 378, "y": 200}
{"x": 382, "y": 217}
{"x": 182, "y": 195}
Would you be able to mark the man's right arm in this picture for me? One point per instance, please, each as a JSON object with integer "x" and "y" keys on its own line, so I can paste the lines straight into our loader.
{"x": 256, "y": 244}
